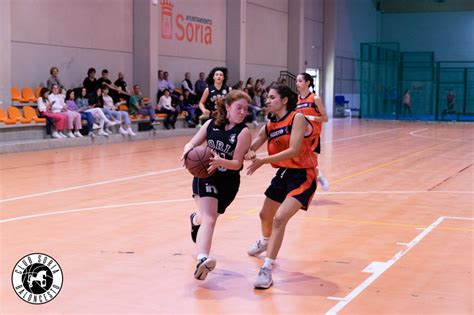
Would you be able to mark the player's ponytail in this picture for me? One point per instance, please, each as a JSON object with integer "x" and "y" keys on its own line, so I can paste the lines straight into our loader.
{"x": 307, "y": 78}
{"x": 220, "y": 115}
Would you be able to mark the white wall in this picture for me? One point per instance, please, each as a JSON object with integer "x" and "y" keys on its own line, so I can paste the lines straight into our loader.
{"x": 73, "y": 35}
{"x": 266, "y": 38}
{"x": 449, "y": 34}
{"x": 180, "y": 56}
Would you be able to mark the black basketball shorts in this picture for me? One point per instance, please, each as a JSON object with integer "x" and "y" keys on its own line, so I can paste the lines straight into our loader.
{"x": 223, "y": 188}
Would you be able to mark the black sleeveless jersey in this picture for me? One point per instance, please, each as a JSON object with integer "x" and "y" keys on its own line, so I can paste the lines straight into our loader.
{"x": 214, "y": 93}
{"x": 224, "y": 142}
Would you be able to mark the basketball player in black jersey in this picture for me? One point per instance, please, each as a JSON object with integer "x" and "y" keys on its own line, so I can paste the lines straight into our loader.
{"x": 216, "y": 89}
{"x": 228, "y": 136}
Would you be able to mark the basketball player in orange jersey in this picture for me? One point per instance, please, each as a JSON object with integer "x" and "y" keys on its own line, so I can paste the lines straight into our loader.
{"x": 228, "y": 136}
{"x": 310, "y": 105}
{"x": 289, "y": 136}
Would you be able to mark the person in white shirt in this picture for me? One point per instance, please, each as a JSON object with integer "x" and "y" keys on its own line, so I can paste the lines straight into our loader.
{"x": 165, "y": 106}
{"x": 118, "y": 115}
{"x": 73, "y": 118}
{"x": 59, "y": 119}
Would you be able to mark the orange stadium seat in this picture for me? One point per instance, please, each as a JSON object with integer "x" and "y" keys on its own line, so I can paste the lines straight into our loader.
{"x": 30, "y": 113}
{"x": 5, "y": 119}
{"x": 28, "y": 94}
{"x": 15, "y": 114}
{"x": 37, "y": 92}
{"x": 16, "y": 96}
{"x": 123, "y": 108}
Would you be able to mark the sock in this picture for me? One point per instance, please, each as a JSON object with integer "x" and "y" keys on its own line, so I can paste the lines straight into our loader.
{"x": 269, "y": 263}
{"x": 194, "y": 220}
{"x": 264, "y": 240}
{"x": 201, "y": 256}
{"x": 320, "y": 174}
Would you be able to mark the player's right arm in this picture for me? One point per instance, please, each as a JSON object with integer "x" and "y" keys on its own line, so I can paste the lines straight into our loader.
{"x": 197, "y": 140}
{"x": 202, "y": 103}
{"x": 259, "y": 140}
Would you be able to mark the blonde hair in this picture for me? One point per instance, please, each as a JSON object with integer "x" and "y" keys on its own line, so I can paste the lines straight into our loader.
{"x": 220, "y": 114}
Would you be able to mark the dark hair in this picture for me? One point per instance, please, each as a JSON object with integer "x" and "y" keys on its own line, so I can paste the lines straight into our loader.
{"x": 248, "y": 81}
{"x": 307, "y": 78}
{"x": 51, "y": 70}
{"x": 285, "y": 91}
{"x": 91, "y": 70}
{"x": 43, "y": 90}
{"x": 210, "y": 77}
{"x": 105, "y": 71}
{"x": 221, "y": 112}
{"x": 68, "y": 95}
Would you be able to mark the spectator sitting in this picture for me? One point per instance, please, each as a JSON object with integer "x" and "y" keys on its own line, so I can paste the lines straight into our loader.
{"x": 54, "y": 79}
{"x": 104, "y": 81}
{"x": 187, "y": 85}
{"x": 164, "y": 106}
{"x": 90, "y": 83}
{"x": 122, "y": 86}
{"x": 190, "y": 108}
{"x": 118, "y": 115}
{"x": 72, "y": 106}
{"x": 73, "y": 118}
{"x": 59, "y": 124}
{"x": 137, "y": 106}
{"x": 165, "y": 84}
{"x": 83, "y": 104}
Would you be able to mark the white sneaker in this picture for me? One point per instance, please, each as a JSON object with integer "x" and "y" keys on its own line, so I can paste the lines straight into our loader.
{"x": 78, "y": 134}
{"x": 264, "y": 279}
{"x": 130, "y": 132}
{"x": 324, "y": 182}
{"x": 95, "y": 126}
{"x": 55, "y": 135}
{"x": 123, "y": 131}
{"x": 62, "y": 135}
{"x": 257, "y": 248}
{"x": 70, "y": 135}
{"x": 111, "y": 123}
{"x": 103, "y": 133}
{"x": 108, "y": 131}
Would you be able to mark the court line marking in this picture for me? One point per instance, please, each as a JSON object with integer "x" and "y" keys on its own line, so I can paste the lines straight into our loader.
{"x": 155, "y": 173}
{"x": 384, "y": 266}
{"x": 415, "y": 134}
{"x": 91, "y": 184}
{"x": 39, "y": 215}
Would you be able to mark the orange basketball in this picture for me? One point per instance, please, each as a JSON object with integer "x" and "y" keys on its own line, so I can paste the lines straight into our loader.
{"x": 197, "y": 161}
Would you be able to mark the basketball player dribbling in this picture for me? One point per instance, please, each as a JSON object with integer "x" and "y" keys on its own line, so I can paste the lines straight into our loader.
{"x": 228, "y": 136}
{"x": 289, "y": 149}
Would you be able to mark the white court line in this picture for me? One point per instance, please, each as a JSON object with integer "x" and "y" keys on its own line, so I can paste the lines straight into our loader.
{"x": 384, "y": 266}
{"x": 26, "y": 217}
{"x": 414, "y": 134}
{"x": 91, "y": 185}
{"x": 153, "y": 173}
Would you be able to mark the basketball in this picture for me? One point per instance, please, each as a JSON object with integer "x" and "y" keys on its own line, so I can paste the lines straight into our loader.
{"x": 197, "y": 161}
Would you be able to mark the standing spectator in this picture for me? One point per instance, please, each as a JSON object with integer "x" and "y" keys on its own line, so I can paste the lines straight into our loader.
{"x": 73, "y": 118}
{"x": 136, "y": 105}
{"x": 187, "y": 85}
{"x": 59, "y": 119}
{"x": 54, "y": 79}
{"x": 164, "y": 106}
{"x": 90, "y": 83}
{"x": 406, "y": 102}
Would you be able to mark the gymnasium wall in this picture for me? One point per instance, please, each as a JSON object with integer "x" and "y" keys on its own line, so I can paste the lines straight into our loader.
{"x": 266, "y": 38}
{"x": 313, "y": 33}
{"x": 449, "y": 34}
{"x": 73, "y": 35}
{"x": 195, "y": 41}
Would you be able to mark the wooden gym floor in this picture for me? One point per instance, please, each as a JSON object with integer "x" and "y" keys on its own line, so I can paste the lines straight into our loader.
{"x": 393, "y": 235}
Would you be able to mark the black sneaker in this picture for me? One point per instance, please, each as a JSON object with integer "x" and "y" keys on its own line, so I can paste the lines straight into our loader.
{"x": 204, "y": 266}
{"x": 194, "y": 227}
